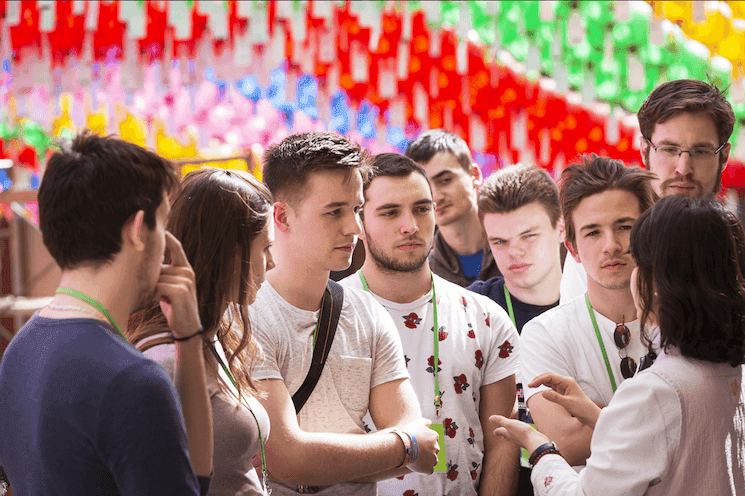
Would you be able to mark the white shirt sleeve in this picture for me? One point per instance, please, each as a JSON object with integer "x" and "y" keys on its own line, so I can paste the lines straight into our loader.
{"x": 632, "y": 446}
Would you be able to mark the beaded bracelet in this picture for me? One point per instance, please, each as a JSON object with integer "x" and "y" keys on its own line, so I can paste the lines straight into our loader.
{"x": 186, "y": 338}
{"x": 544, "y": 449}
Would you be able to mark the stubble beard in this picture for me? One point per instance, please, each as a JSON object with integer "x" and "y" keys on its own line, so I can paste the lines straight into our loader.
{"x": 389, "y": 264}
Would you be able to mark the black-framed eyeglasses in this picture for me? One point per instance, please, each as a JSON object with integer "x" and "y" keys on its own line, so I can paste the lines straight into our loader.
{"x": 622, "y": 338}
{"x": 671, "y": 153}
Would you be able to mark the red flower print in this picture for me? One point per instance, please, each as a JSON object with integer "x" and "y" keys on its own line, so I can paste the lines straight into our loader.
{"x": 479, "y": 359}
{"x": 474, "y": 475}
{"x": 409, "y": 492}
{"x": 548, "y": 481}
{"x": 470, "y": 437}
{"x": 412, "y": 320}
{"x": 505, "y": 349}
{"x": 470, "y": 432}
{"x": 452, "y": 472}
{"x": 461, "y": 384}
{"x": 443, "y": 335}
{"x": 431, "y": 363}
{"x": 488, "y": 320}
{"x": 471, "y": 334}
{"x": 463, "y": 301}
{"x": 401, "y": 477}
{"x": 450, "y": 428}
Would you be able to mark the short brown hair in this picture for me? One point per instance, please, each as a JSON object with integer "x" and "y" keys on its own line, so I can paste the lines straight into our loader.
{"x": 434, "y": 141}
{"x": 513, "y": 187}
{"x": 288, "y": 165}
{"x": 687, "y": 95}
{"x": 599, "y": 174}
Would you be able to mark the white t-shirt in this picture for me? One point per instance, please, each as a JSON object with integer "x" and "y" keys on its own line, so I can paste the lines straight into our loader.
{"x": 366, "y": 352}
{"x": 478, "y": 345}
{"x": 573, "y": 280}
{"x": 563, "y": 341}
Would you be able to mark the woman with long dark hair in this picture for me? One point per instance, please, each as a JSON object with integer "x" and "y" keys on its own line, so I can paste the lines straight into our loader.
{"x": 677, "y": 427}
{"x": 223, "y": 221}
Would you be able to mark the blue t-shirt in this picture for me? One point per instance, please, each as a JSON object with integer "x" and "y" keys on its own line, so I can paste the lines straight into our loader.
{"x": 82, "y": 412}
{"x": 471, "y": 264}
{"x": 494, "y": 289}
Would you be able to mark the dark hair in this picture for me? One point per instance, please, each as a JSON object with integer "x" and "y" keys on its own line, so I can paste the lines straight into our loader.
{"x": 90, "y": 189}
{"x": 288, "y": 164}
{"x": 513, "y": 187}
{"x": 596, "y": 175}
{"x": 691, "y": 251}
{"x": 687, "y": 95}
{"x": 392, "y": 165}
{"x": 216, "y": 217}
{"x": 430, "y": 143}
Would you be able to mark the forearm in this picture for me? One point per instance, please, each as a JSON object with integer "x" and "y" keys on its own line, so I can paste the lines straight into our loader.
{"x": 571, "y": 436}
{"x": 320, "y": 459}
{"x": 191, "y": 384}
{"x": 500, "y": 468}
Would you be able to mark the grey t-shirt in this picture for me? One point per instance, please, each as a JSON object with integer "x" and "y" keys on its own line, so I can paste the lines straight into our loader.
{"x": 235, "y": 433}
{"x": 366, "y": 352}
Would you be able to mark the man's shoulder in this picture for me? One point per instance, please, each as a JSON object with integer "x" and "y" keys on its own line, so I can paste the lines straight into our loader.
{"x": 557, "y": 318}
{"x": 487, "y": 288}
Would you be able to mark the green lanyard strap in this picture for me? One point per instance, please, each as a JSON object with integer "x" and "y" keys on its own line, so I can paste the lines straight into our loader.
{"x": 600, "y": 341}
{"x": 508, "y": 298}
{"x": 245, "y": 401}
{"x": 436, "y": 329}
{"x": 93, "y": 303}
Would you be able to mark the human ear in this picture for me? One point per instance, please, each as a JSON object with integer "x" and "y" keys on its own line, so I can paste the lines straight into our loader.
{"x": 572, "y": 251}
{"x": 281, "y": 215}
{"x": 644, "y": 151}
{"x": 477, "y": 175}
{"x": 725, "y": 155}
{"x": 132, "y": 232}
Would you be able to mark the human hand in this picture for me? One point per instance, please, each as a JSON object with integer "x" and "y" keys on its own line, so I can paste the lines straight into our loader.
{"x": 176, "y": 290}
{"x": 567, "y": 393}
{"x": 427, "y": 439}
{"x": 518, "y": 432}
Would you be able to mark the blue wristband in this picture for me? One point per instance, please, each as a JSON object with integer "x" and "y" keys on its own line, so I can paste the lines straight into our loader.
{"x": 414, "y": 449}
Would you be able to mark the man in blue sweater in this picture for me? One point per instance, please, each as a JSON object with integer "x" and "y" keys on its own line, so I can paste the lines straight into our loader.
{"x": 84, "y": 412}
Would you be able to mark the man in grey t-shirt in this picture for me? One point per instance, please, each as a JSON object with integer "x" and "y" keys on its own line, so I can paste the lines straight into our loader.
{"x": 316, "y": 180}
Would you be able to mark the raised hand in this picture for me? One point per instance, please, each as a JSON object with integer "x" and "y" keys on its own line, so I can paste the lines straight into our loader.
{"x": 518, "y": 432}
{"x": 567, "y": 393}
{"x": 176, "y": 288}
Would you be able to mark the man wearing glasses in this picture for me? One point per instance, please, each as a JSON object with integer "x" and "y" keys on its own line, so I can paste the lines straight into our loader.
{"x": 595, "y": 338}
{"x": 685, "y": 127}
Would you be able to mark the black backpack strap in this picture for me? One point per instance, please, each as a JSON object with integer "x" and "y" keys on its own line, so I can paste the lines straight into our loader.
{"x": 333, "y": 299}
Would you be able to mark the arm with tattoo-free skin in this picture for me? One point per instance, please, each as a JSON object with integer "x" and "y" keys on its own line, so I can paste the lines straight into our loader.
{"x": 176, "y": 289}
{"x": 318, "y": 459}
{"x": 499, "y": 473}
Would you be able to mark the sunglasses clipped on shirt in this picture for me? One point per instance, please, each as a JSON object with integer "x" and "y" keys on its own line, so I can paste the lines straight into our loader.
{"x": 622, "y": 337}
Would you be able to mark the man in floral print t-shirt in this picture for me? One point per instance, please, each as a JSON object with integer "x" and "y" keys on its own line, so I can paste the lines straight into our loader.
{"x": 477, "y": 347}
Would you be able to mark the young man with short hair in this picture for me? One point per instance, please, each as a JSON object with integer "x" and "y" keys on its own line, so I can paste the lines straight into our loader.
{"x": 519, "y": 207}
{"x": 461, "y": 254}
{"x": 593, "y": 339}
{"x": 83, "y": 411}
{"x": 685, "y": 128}
{"x": 473, "y": 366}
{"x": 316, "y": 180}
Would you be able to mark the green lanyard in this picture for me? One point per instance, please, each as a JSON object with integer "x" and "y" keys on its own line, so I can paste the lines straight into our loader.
{"x": 438, "y": 398}
{"x": 600, "y": 341}
{"x": 508, "y": 298}
{"x": 94, "y": 303}
{"x": 264, "y": 476}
